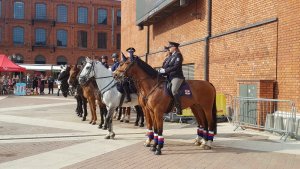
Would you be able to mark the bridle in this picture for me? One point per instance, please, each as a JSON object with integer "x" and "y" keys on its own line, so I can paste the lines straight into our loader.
{"x": 86, "y": 76}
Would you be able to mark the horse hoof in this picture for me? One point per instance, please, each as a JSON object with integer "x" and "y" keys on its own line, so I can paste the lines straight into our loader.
{"x": 113, "y": 136}
{"x": 136, "y": 124}
{"x": 157, "y": 152}
{"x": 121, "y": 120}
{"x": 153, "y": 149}
{"x": 205, "y": 147}
{"x": 94, "y": 123}
{"x": 197, "y": 143}
{"x": 104, "y": 128}
{"x": 118, "y": 118}
{"x": 147, "y": 145}
{"x": 84, "y": 119}
{"x": 91, "y": 122}
{"x": 107, "y": 137}
{"x": 100, "y": 126}
{"x": 80, "y": 115}
{"x": 142, "y": 125}
{"x": 126, "y": 121}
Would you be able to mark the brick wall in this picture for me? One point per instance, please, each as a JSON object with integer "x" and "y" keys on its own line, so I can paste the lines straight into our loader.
{"x": 71, "y": 52}
{"x": 268, "y": 51}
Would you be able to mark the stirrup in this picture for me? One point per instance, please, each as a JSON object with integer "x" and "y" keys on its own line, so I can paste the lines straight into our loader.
{"x": 179, "y": 113}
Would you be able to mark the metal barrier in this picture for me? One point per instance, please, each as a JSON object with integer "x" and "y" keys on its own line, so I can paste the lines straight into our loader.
{"x": 273, "y": 115}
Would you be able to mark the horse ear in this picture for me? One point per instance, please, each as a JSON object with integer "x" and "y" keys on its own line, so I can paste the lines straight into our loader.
{"x": 124, "y": 59}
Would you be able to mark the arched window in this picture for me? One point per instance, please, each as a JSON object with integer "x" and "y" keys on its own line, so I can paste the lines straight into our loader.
{"x": 102, "y": 16}
{"x": 62, "y": 13}
{"x": 81, "y": 60}
{"x": 61, "y": 60}
{"x": 40, "y": 37}
{"x": 40, "y": 11}
{"x": 62, "y": 38}
{"x": 18, "y": 35}
{"x": 39, "y": 59}
{"x": 19, "y": 10}
{"x": 82, "y": 15}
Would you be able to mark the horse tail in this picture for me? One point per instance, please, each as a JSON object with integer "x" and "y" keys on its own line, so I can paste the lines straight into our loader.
{"x": 214, "y": 115}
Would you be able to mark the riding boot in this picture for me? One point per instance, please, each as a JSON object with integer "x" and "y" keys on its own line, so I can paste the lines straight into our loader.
{"x": 127, "y": 92}
{"x": 177, "y": 104}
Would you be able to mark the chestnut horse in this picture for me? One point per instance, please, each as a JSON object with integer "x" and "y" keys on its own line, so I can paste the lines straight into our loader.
{"x": 90, "y": 91}
{"x": 154, "y": 98}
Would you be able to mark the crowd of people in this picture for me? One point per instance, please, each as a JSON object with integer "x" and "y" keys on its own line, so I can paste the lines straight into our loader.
{"x": 35, "y": 84}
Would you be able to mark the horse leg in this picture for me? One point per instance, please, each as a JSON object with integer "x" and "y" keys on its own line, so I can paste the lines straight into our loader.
{"x": 138, "y": 114}
{"x": 103, "y": 112}
{"x": 84, "y": 102}
{"x": 200, "y": 117}
{"x": 160, "y": 139}
{"x": 108, "y": 121}
{"x": 79, "y": 106}
{"x": 141, "y": 113}
{"x": 150, "y": 133}
{"x": 128, "y": 109}
{"x": 211, "y": 130}
{"x": 120, "y": 113}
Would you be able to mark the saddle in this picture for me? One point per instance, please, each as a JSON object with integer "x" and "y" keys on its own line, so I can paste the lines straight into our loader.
{"x": 184, "y": 89}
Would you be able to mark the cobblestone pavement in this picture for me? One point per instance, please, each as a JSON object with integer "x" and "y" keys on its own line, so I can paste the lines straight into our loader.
{"x": 43, "y": 132}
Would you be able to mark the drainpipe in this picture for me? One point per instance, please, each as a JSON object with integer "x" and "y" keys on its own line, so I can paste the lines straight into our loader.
{"x": 207, "y": 38}
{"x": 147, "y": 44}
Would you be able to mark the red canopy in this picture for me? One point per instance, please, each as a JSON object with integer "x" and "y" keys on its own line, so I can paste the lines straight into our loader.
{"x": 7, "y": 65}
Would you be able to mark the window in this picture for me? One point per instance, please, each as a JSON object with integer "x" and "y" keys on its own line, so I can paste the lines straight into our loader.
{"x": 19, "y": 10}
{"x": 39, "y": 59}
{"x": 119, "y": 17}
{"x": 62, "y": 38}
{"x": 40, "y": 37}
{"x": 18, "y": 58}
{"x": 82, "y": 15}
{"x": 40, "y": 11}
{"x": 82, "y": 39}
{"x": 118, "y": 41}
{"x": 62, "y": 13}
{"x": 102, "y": 16}
{"x": 18, "y": 35}
{"x": 61, "y": 60}
{"x": 102, "y": 38}
{"x": 188, "y": 71}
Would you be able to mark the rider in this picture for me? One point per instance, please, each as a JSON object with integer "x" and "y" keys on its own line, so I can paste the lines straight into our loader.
{"x": 172, "y": 67}
{"x": 115, "y": 59}
{"x": 104, "y": 59}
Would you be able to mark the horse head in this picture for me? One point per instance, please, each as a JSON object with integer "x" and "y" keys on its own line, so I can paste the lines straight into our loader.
{"x": 63, "y": 78}
{"x": 87, "y": 71}
{"x": 74, "y": 71}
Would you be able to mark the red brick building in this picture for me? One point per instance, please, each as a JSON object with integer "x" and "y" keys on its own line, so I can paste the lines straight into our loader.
{"x": 59, "y": 31}
{"x": 234, "y": 44}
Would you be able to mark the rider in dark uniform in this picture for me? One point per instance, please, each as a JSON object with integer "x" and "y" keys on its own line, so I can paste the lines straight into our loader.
{"x": 172, "y": 67}
{"x": 115, "y": 59}
{"x": 104, "y": 59}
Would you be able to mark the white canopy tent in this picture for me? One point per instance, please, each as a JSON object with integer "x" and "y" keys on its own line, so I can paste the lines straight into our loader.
{"x": 41, "y": 67}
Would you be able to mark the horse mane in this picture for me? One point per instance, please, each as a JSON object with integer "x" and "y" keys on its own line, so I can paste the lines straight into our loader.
{"x": 146, "y": 67}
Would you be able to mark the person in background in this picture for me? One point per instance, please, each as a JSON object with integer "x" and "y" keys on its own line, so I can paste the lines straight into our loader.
{"x": 104, "y": 59}
{"x": 35, "y": 84}
{"x": 50, "y": 84}
{"x": 115, "y": 59}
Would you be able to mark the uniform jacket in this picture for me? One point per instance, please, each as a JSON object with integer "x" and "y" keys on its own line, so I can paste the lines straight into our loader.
{"x": 115, "y": 66}
{"x": 173, "y": 66}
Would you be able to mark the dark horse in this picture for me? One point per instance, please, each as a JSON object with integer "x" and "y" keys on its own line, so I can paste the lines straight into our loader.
{"x": 90, "y": 91}
{"x": 81, "y": 100}
{"x": 153, "y": 97}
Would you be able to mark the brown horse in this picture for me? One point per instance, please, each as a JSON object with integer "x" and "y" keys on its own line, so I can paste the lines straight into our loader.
{"x": 90, "y": 91}
{"x": 153, "y": 98}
